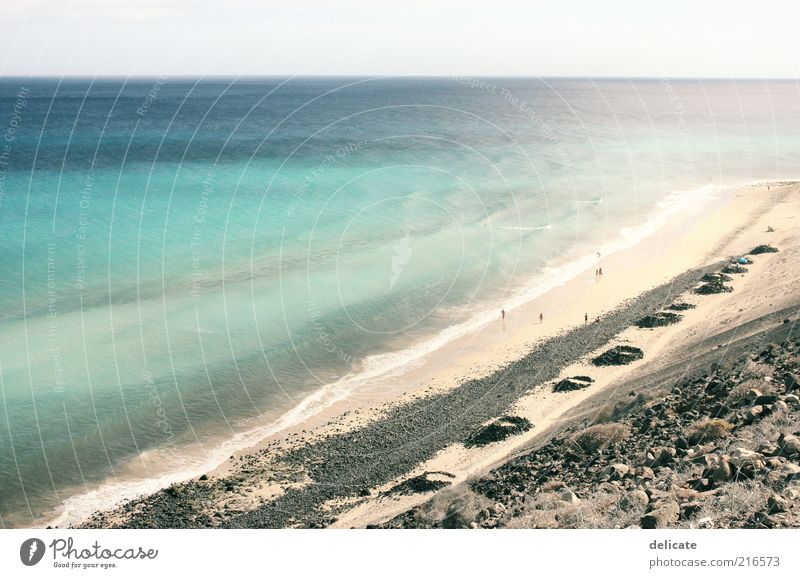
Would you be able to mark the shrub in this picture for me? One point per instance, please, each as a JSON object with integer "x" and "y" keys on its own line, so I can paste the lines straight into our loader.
{"x": 599, "y": 437}
{"x": 708, "y": 430}
{"x": 453, "y": 508}
{"x": 623, "y": 408}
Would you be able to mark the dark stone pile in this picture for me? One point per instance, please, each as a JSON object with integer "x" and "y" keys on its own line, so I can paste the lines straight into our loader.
{"x": 423, "y": 483}
{"x": 712, "y": 288}
{"x": 681, "y": 306}
{"x": 761, "y": 249}
{"x": 619, "y": 355}
{"x": 499, "y": 430}
{"x": 733, "y": 269}
{"x": 573, "y": 383}
{"x": 715, "y": 278}
{"x": 661, "y": 319}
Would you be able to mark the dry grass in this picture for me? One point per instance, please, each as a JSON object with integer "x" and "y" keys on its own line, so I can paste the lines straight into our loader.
{"x": 452, "y": 508}
{"x": 708, "y": 430}
{"x": 598, "y": 510}
{"x": 599, "y": 437}
{"x": 738, "y": 395}
{"x": 612, "y": 412}
{"x": 734, "y": 502}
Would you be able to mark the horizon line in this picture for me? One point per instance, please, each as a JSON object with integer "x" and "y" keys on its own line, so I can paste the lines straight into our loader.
{"x": 388, "y": 76}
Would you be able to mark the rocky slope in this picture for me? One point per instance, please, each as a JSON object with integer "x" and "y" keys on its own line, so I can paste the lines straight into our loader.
{"x": 720, "y": 449}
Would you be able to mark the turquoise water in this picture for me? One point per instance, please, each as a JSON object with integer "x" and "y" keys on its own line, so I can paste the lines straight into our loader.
{"x": 184, "y": 260}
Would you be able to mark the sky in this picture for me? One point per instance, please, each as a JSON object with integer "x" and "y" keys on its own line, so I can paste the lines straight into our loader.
{"x": 679, "y": 38}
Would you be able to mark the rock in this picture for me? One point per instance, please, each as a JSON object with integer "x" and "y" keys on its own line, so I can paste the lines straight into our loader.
{"x": 573, "y": 383}
{"x": 767, "y": 448}
{"x": 780, "y": 406}
{"x": 704, "y": 523}
{"x": 764, "y": 399}
{"x": 663, "y": 515}
{"x": 742, "y": 457}
{"x": 787, "y": 472}
{"x": 681, "y": 306}
{"x": 712, "y": 288}
{"x": 761, "y": 249}
{"x": 690, "y": 509}
{"x": 754, "y": 413}
{"x": 777, "y": 504}
{"x": 721, "y": 471}
{"x": 423, "y": 483}
{"x": 753, "y": 394}
{"x": 791, "y": 400}
{"x": 619, "y": 355}
{"x": 499, "y": 430}
{"x": 788, "y": 445}
{"x": 665, "y": 457}
{"x": 616, "y": 471}
{"x": 570, "y": 497}
{"x": 635, "y": 499}
{"x": 791, "y": 381}
{"x": 661, "y": 319}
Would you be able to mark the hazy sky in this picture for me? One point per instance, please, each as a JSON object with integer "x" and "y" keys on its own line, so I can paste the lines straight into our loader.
{"x": 501, "y": 37}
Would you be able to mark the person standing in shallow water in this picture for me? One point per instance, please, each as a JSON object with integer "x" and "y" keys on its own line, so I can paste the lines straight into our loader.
{"x": 541, "y": 317}
{"x": 502, "y": 314}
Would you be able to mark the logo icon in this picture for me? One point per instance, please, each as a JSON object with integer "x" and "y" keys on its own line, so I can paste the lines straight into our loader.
{"x": 31, "y": 552}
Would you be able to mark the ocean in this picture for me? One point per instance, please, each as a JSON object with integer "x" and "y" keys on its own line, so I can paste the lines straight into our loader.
{"x": 190, "y": 264}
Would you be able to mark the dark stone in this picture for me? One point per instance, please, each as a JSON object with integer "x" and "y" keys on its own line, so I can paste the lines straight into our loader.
{"x": 661, "y": 319}
{"x": 573, "y": 383}
{"x": 620, "y": 355}
{"x": 713, "y": 288}
{"x": 500, "y": 429}
{"x": 422, "y": 484}
{"x": 715, "y": 278}
{"x": 761, "y": 249}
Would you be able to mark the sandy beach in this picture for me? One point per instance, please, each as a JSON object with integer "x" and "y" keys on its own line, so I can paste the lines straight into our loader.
{"x": 405, "y": 426}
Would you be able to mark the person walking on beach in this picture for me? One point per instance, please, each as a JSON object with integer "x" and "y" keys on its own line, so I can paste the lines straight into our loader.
{"x": 502, "y": 313}
{"x": 600, "y": 270}
{"x": 585, "y": 318}
{"x": 541, "y": 317}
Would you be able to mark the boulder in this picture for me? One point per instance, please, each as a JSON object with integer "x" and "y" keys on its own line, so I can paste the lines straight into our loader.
{"x": 742, "y": 458}
{"x": 704, "y": 523}
{"x": 616, "y": 471}
{"x": 690, "y": 509}
{"x": 788, "y": 444}
{"x": 777, "y": 504}
{"x": 780, "y": 406}
{"x": 754, "y": 413}
{"x": 635, "y": 499}
{"x": 663, "y": 515}
{"x": 570, "y": 497}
